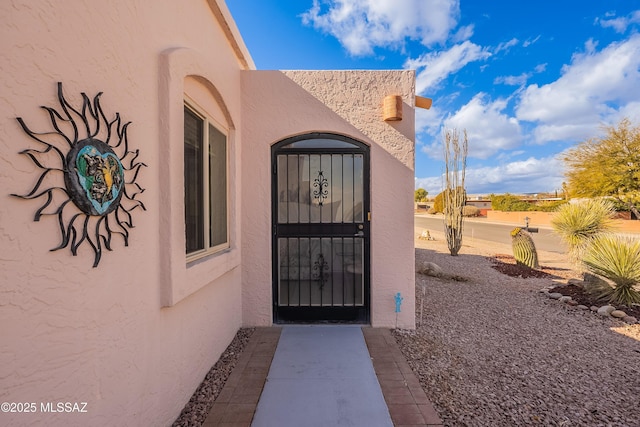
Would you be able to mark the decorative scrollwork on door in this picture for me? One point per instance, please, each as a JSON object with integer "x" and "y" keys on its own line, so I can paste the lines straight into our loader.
{"x": 320, "y": 184}
{"x": 319, "y": 268}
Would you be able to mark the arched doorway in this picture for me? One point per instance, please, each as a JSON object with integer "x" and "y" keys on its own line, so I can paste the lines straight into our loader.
{"x": 320, "y": 218}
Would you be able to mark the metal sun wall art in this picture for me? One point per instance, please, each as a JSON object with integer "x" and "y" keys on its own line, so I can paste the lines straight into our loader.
{"x": 94, "y": 173}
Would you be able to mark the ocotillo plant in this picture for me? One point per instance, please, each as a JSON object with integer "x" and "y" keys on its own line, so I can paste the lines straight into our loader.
{"x": 455, "y": 163}
{"x": 524, "y": 250}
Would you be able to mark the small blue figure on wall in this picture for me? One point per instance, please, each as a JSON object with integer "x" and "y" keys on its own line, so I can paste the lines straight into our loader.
{"x": 398, "y": 299}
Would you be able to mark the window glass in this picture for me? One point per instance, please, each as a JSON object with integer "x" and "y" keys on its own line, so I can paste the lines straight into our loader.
{"x": 205, "y": 185}
{"x": 193, "y": 181}
{"x": 320, "y": 143}
{"x": 217, "y": 186}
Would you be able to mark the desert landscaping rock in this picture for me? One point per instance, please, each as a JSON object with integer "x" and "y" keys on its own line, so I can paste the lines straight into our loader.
{"x": 197, "y": 409}
{"x": 606, "y": 310}
{"x": 618, "y": 313}
{"x": 430, "y": 269}
{"x": 565, "y": 299}
{"x": 582, "y": 307}
{"x": 630, "y": 320}
{"x": 492, "y": 351}
{"x": 555, "y": 295}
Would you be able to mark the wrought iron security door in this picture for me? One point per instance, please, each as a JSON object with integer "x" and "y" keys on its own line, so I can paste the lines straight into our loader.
{"x": 321, "y": 229}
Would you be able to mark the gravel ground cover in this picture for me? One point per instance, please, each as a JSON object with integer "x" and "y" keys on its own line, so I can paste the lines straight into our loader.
{"x": 491, "y": 350}
{"x": 196, "y": 410}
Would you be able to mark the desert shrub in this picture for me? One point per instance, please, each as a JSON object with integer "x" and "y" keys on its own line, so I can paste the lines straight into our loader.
{"x": 438, "y": 203}
{"x": 618, "y": 259}
{"x": 509, "y": 203}
{"x": 578, "y": 223}
{"x": 550, "y": 206}
{"x": 470, "y": 210}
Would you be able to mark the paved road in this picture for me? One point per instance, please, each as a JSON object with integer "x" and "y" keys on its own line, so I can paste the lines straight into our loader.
{"x": 545, "y": 239}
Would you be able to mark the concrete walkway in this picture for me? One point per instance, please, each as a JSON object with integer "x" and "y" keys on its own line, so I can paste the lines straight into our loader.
{"x": 321, "y": 375}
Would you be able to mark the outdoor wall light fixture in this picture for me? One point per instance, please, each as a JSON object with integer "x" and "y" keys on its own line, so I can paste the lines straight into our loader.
{"x": 392, "y": 107}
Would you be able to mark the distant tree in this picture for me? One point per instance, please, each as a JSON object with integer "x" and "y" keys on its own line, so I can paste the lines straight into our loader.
{"x": 469, "y": 210}
{"x": 508, "y": 203}
{"x": 549, "y": 206}
{"x": 607, "y": 166}
{"x": 565, "y": 191}
{"x": 438, "y": 202}
{"x": 420, "y": 195}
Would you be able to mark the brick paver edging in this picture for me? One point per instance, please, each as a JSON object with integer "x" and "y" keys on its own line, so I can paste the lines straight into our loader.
{"x": 239, "y": 397}
{"x": 407, "y": 402}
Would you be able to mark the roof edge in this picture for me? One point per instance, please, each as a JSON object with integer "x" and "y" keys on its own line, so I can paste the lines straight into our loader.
{"x": 231, "y": 32}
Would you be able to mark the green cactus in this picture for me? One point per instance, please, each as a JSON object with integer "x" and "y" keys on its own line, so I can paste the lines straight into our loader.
{"x": 524, "y": 250}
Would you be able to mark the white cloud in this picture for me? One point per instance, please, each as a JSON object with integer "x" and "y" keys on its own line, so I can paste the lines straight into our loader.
{"x": 524, "y": 176}
{"x": 489, "y": 129}
{"x": 520, "y": 80}
{"x": 590, "y": 92}
{"x": 433, "y": 184}
{"x": 529, "y": 42}
{"x": 428, "y": 121}
{"x": 512, "y": 80}
{"x": 506, "y": 45}
{"x": 432, "y": 68}
{"x": 620, "y": 24}
{"x": 463, "y": 33}
{"x": 362, "y": 25}
{"x": 540, "y": 68}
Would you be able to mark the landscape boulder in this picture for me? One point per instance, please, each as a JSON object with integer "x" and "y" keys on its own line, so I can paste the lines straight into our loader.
{"x": 606, "y": 310}
{"x": 430, "y": 269}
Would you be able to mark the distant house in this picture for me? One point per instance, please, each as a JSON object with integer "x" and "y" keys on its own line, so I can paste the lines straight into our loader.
{"x": 269, "y": 197}
{"x": 483, "y": 204}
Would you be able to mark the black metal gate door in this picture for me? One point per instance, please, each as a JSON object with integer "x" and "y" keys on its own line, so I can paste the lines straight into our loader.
{"x": 320, "y": 229}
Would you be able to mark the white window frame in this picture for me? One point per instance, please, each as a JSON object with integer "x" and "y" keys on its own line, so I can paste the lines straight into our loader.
{"x": 194, "y": 108}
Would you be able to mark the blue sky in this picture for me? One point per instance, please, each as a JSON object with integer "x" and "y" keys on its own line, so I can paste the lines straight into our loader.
{"x": 527, "y": 80}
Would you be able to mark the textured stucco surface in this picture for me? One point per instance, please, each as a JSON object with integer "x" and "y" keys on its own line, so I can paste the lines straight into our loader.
{"x": 279, "y": 104}
{"x": 135, "y": 336}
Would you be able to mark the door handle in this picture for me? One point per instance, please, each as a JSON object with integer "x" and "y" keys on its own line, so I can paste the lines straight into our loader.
{"x": 359, "y": 234}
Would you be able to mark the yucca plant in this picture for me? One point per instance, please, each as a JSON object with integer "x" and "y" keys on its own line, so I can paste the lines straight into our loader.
{"x": 578, "y": 223}
{"x": 618, "y": 259}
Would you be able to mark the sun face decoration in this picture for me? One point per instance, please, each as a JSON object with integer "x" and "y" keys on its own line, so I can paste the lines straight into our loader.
{"x": 98, "y": 171}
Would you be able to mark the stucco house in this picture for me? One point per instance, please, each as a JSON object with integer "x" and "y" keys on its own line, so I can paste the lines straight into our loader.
{"x": 186, "y": 195}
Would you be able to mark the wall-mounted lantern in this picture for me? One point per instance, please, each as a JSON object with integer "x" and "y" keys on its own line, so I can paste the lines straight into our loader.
{"x": 392, "y": 108}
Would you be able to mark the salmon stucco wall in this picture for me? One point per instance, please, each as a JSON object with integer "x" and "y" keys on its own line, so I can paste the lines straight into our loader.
{"x": 543, "y": 219}
{"x": 133, "y": 337}
{"x": 280, "y": 104}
